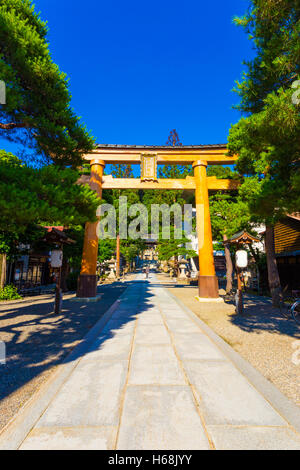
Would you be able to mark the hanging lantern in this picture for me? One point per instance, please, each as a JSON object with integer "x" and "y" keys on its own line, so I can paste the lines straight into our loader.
{"x": 241, "y": 258}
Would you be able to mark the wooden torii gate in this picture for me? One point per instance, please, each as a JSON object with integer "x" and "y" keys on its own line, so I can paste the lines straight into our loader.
{"x": 149, "y": 157}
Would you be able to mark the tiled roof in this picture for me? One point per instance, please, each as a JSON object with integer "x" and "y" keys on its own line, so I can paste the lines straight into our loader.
{"x": 295, "y": 215}
{"x": 240, "y": 236}
{"x": 160, "y": 146}
{"x": 55, "y": 234}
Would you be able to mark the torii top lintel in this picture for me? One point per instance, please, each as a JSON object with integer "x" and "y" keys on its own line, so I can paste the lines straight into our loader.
{"x": 179, "y": 155}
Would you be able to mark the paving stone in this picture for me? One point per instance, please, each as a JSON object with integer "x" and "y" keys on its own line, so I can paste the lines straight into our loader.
{"x": 160, "y": 418}
{"x": 150, "y": 311}
{"x": 196, "y": 346}
{"x": 226, "y": 396}
{"x": 155, "y": 364}
{"x": 125, "y": 315}
{"x": 152, "y": 334}
{"x": 110, "y": 347}
{"x": 118, "y": 327}
{"x": 78, "y": 438}
{"x": 90, "y": 397}
{"x": 254, "y": 438}
{"x": 184, "y": 325}
{"x": 151, "y": 319}
{"x": 170, "y": 314}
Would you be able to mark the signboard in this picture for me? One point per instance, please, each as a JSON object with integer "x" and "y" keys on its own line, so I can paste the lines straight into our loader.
{"x": 56, "y": 258}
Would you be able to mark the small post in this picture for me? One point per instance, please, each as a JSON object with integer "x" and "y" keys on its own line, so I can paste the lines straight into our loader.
{"x": 240, "y": 304}
{"x": 56, "y": 262}
{"x": 58, "y": 294}
{"x": 241, "y": 261}
{"x": 118, "y": 257}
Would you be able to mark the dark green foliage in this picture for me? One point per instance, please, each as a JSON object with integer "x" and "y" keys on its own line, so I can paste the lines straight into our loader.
{"x": 130, "y": 249}
{"x": 9, "y": 293}
{"x": 274, "y": 28}
{"x": 71, "y": 280}
{"x": 222, "y": 172}
{"x": 268, "y": 140}
{"x": 229, "y": 214}
{"x": 168, "y": 249}
{"x": 46, "y": 196}
{"x": 106, "y": 249}
{"x": 73, "y": 252}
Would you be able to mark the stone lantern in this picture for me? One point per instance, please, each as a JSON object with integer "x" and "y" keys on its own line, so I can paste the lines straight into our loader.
{"x": 183, "y": 268}
{"x": 112, "y": 267}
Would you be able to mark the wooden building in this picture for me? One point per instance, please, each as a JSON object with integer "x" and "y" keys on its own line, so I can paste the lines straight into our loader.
{"x": 32, "y": 270}
{"x": 287, "y": 249}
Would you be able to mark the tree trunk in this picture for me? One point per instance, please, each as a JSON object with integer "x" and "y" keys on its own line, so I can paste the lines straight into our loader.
{"x": 2, "y": 270}
{"x": 65, "y": 269}
{"x": 176, "y": 266}
{"x": 260, "y": 272}
{"x": 229, "y": 267}
{"x": 273, "y": 275}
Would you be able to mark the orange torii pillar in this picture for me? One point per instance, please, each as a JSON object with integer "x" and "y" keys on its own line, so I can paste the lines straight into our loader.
{"x": 87, "y": 281}
{"x": 208, "y": 281}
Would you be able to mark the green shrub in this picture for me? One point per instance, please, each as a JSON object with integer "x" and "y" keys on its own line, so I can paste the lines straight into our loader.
{"x": 9, "y": 293}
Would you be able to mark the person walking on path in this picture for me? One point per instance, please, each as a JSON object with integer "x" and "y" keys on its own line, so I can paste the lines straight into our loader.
{"x": 147, "y": 272}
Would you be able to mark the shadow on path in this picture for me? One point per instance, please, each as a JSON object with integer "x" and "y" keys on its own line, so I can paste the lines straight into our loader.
{"x": 36, "y": 339}
{"x": 259, "y": 314}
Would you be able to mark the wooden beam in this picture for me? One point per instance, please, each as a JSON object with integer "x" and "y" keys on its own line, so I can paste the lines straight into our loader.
{"x": 161, "y": 150}
{"x": 164, "y": 156}
{"x": 135, "y": 183}
{"x": 213, "y": 184}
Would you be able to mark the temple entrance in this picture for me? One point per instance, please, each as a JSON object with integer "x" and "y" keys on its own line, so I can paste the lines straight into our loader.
{"x": 148, "y": 157}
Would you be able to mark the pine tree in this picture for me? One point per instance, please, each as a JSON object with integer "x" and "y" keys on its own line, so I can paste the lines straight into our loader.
{"x": 44, "y": 196}
{"x": 267, "y": 138}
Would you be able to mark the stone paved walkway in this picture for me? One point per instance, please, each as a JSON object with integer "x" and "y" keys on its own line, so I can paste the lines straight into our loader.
{"x": 154, "y": 380}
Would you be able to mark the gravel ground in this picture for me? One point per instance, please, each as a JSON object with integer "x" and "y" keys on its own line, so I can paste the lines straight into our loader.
{"x": 262, "y": 336}
{"x": 37, "y": 341}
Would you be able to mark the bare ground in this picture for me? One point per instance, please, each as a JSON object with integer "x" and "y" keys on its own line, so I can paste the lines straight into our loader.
{"x": 261, "y": 336}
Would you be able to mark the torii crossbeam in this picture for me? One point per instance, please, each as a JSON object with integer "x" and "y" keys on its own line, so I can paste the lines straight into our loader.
{"x": 149, "y": 157}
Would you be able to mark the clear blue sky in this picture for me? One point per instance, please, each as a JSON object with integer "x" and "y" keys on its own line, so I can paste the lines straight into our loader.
{"x": 138, "y": 69}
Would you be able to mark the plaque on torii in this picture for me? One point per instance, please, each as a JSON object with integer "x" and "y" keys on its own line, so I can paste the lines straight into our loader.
{"x": 148, "y": 167}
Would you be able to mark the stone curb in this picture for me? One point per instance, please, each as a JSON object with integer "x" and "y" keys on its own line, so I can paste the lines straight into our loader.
{"x": 286, "y": 408}
{"x": 16, "y": 430}
{"x": 86, "y": 299}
